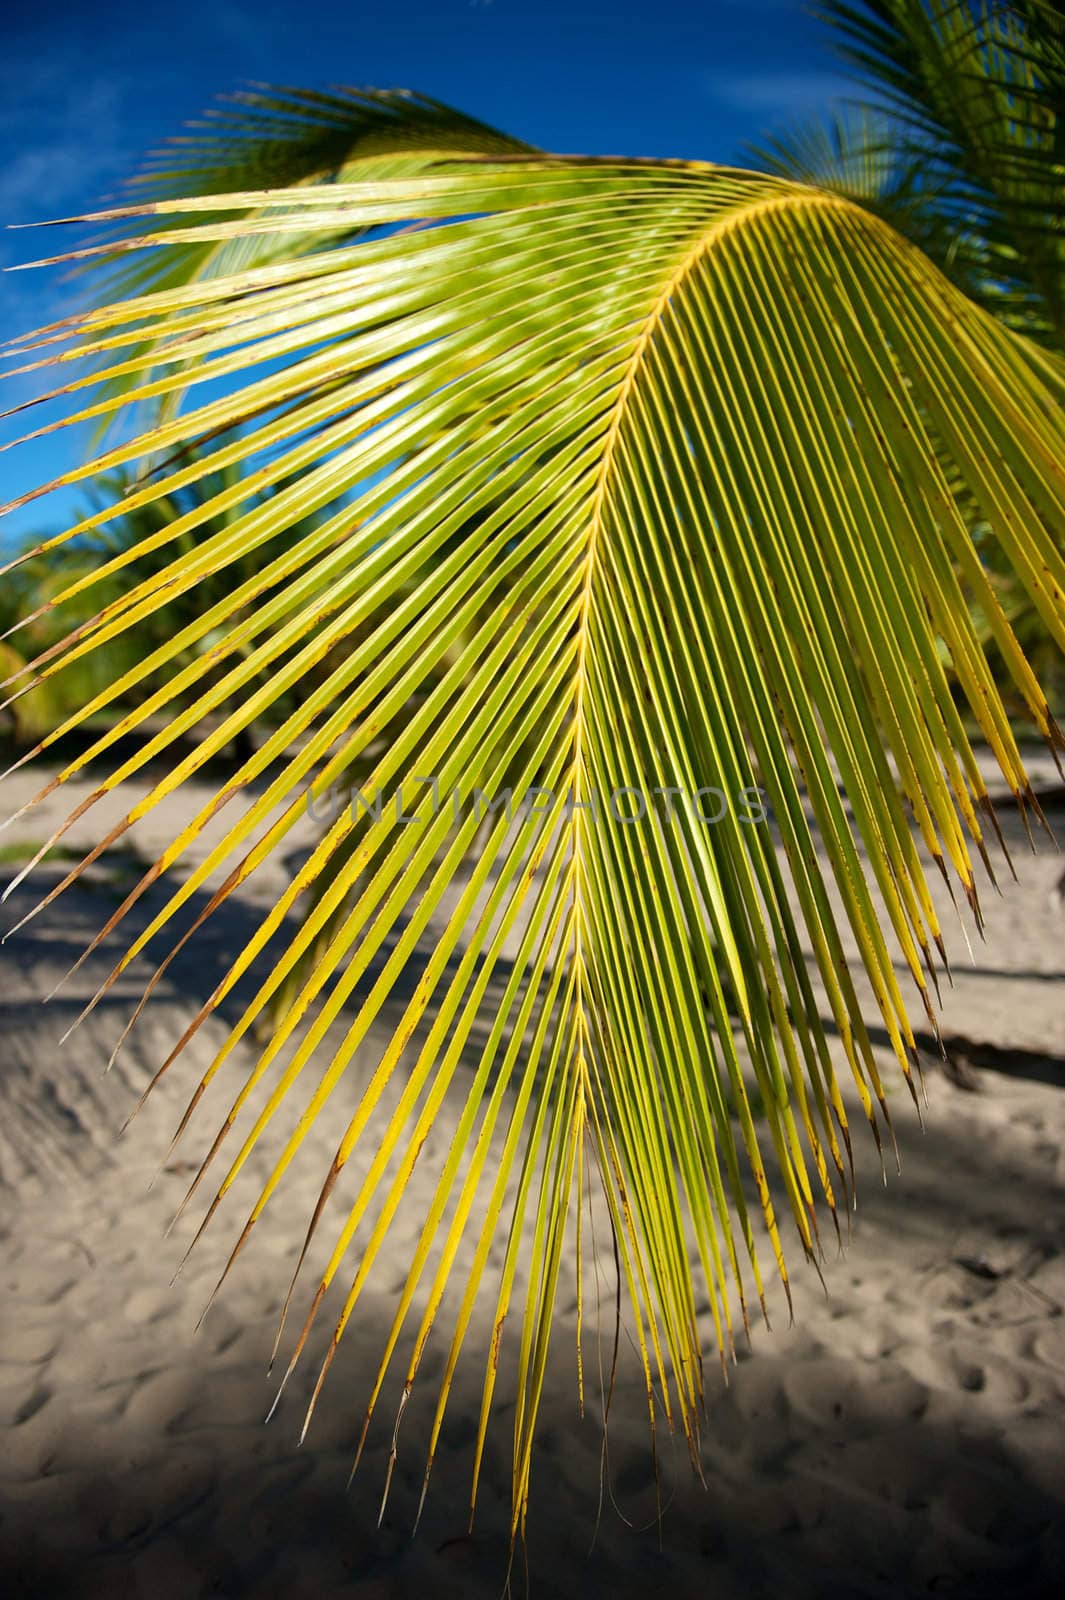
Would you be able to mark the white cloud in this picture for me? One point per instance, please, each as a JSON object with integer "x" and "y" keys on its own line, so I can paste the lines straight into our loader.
{"x": 65, "y": 135}
{"x": 787, "y": 94}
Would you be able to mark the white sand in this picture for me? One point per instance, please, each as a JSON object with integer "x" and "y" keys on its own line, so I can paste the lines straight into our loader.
{"x": 904, "y": 1438}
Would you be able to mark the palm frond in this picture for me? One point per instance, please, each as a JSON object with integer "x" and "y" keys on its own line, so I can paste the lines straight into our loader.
{"x": 853, "y": 152}
{"x": 624, "y": 480}
{"x": 977, "y": 94}
{"x": 858, "y": 153}
{"x": 270, "y": 138}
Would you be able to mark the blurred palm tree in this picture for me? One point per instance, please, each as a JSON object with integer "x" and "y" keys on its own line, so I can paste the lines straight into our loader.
{"x": 101, "y": 567}
{"x": 31, "y": 628}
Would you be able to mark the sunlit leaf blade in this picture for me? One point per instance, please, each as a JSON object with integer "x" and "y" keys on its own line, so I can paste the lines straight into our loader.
{"x": 271, "y": 138}
{"x": 616, "y": 483}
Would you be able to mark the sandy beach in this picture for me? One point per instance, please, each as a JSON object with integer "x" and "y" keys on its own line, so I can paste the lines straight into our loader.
{"x": 904, "y": 1437}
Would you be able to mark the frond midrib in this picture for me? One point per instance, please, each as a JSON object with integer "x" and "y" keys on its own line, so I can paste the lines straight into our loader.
{"x": 737, "y": 217}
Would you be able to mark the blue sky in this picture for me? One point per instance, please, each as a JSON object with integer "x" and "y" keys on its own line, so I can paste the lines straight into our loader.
{"x": 86, "y": 89}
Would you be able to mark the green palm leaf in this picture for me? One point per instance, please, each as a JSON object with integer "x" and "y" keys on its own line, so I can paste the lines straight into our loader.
{"x": 968, "y": 165}
{"x": 267, "y": 139}
{"x": 860, "y": 154}
{"x": 620, "y": 476}
{"x": 976, "y": 93}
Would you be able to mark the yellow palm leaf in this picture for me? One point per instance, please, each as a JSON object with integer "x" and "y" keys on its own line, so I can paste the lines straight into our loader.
{"x": 630, "y": 483}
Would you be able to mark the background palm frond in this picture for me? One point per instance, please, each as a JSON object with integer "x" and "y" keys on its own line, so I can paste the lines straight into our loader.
{"x": 277, "y": 138}
{"x": 976, "y": 93}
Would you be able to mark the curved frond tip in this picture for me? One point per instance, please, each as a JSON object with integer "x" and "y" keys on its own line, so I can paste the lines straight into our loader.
{"x": 623, "y": 488}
